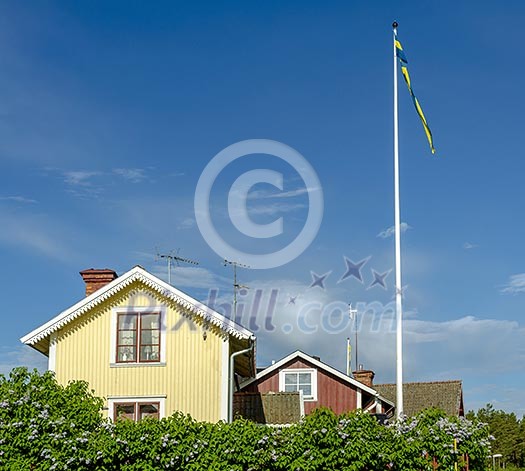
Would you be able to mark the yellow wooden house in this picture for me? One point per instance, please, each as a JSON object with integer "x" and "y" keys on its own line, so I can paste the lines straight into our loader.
{"x": 146, "y": 347}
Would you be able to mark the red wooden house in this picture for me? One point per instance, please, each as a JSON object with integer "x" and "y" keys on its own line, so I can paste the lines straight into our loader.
{"x": 320, "y": 385}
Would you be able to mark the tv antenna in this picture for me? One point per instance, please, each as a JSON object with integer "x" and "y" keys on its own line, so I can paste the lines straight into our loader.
{"x": 236, "y": 285}
{"x": 174, "y": 258}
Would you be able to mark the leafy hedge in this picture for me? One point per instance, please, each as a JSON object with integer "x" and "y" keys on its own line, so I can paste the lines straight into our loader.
{"x": 45, "y": 426}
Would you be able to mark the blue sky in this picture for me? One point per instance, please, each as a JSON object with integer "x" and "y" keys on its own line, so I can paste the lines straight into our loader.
{"x": 110, "y": 111}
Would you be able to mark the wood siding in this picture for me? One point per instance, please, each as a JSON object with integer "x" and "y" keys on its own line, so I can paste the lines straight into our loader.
{"x": 332, "y": 392}
{"x": 190, "y": 378}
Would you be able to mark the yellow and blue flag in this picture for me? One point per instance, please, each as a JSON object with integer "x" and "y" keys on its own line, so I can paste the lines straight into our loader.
{"x": 400, "y": 54}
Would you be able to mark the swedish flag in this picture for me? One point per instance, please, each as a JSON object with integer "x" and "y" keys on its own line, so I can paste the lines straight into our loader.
{"x": 404, "y": 70}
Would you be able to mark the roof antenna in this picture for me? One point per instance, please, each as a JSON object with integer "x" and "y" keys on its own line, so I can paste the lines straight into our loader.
{"x": 236, "y": 285}
{"x": 352, "y": 313}
{"x": 174, "y": 258}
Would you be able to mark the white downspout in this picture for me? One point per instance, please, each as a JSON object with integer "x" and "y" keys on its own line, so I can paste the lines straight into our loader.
{"x": 232, "y": 379}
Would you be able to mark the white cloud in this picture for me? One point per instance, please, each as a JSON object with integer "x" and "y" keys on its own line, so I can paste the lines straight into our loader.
{"x": 389, "y": 232}
{"x": 515, "y": 284}
{"x": 280, "y": 194}
{"x": 469, "y": 246}
{"x": 186, "y": 223}
{"x": 79, "y": 177}
{"x": 134, "y": 175}
{"x": 21, "y": 355}
{"x": 275, "y": 208}
{"x": 91, "y": 183}
{"x": 18, "y": 199}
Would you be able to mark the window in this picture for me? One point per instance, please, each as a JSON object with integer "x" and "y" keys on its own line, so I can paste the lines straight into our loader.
{"x": 138, "y": 337}
{"x": 136, "y": 407}
{"x": 135, "y": 410}
{"x": 299, "y": 379}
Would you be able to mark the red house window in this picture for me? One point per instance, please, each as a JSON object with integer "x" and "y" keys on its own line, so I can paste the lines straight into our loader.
{"x": 299, "y": 379}
{"x": 138, "y": 337}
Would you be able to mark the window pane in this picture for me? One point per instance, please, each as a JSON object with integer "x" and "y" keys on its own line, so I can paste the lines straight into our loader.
{"x": 305, "y": 378}
{"x": 126, "y": 354}
{"x": 290, "y": 388}
{"x": 150, "y": 321}
{"x": 127, "y": 337}
{"x": 125, "y": 411}
{"x": 148, "y": 410}
{"x": 149, "y": 337}
{"x": 127, "y": 321}
{"x": 149, "y": 353}
{"x": 290, "y": 379}
{"x": 307, "y": 390}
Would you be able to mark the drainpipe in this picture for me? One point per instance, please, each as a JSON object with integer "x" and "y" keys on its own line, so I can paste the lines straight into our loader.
{"x": 232, "y": 379}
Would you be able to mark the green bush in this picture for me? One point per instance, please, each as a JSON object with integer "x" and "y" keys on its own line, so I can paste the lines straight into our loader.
{"x": 46, "y": 426}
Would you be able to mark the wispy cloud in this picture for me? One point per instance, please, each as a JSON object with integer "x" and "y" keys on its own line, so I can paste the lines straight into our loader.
{"x": 133, "y": 175}
{"x": 81, "y": 183}
{"x": 389, "y": 232}
{"x": 18, "y": 199}
{"x": 470, "y": 246}
{"x": 280, "y": 194}
{"x": 515, "y": 284}
{"x": 79, "y": 177}
{"x": 275, "y": 208}
{"x": 92, "y": 183}
{"x": 186, "y": 223}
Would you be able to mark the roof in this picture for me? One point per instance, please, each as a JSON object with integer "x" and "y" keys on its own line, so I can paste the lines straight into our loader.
{"x": 321, "y": 366}
{"x": 445, "y": 395}
{"x": 137, "y": 274}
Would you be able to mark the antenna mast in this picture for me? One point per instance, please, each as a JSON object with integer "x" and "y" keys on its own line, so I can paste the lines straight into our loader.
{"x": 236, "y": 285}
{"x": 175, "y": 258}
{"x": 353, "y": 316}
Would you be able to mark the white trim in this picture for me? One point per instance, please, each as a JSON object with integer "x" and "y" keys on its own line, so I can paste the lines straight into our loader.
{"x": 301, "y": 400}
{"x": 313, "y": 377}
{"x": 161, "y": 399}
{"x": 225, "y": 378}
{"x": 137, "y": 273}
{"x": 138, "y": 310}
{"x": 318, "y": 364}
{"x": 51, "y": 362}
{"x": 359, "y": 399}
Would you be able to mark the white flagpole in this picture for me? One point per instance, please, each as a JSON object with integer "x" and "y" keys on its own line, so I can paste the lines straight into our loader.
{"x": 397, "y": 235}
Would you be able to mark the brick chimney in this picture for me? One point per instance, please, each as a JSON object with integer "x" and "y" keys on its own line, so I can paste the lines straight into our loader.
{"x": 365, "y": 376}
{"x": 96, "y": 278}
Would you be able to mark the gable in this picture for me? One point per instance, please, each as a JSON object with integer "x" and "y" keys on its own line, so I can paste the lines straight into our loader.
{"x": 271, "y": 381}
{"x": 140, "y": 280}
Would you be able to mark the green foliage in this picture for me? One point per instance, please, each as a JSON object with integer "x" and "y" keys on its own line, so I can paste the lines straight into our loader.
{"x": 508, "y": 433}
{"x": 45, "y": 426}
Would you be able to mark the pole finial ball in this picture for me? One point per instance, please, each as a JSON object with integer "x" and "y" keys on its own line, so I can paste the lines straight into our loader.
{"x": 395, "y": 24}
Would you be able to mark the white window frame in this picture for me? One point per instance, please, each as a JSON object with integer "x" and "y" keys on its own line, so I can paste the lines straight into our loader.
{"x": 137, "y": 310}
{"x": 112, "y": 400}
{"x": 313, "y": 376}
